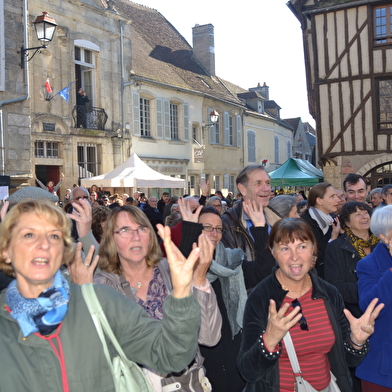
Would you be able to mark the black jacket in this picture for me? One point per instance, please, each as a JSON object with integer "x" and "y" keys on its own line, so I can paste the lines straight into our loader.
{"x": 221, "y": 360}
{"x": 340, "y": 269}
{"x": 321, "y": 239}
{"x": 260, "y": 371}
{"x": 236, "y": 235}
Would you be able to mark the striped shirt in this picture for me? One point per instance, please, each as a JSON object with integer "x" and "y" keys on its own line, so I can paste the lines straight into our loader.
{"x": 311, "y": 346}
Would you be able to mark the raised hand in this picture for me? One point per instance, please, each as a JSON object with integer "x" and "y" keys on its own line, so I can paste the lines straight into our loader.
{"x": 362, "y": 328}
{"x": 204, "y": 187}
{"x": 205, "y": 259}
{"x": 186, "y": 212}
{"x": 82, "y": 215}
{"x": 181, "y": 269}
{"x": 82, "y": 271}
{"x": 255, "y": 212}
{"x": 4, "y": 209}
{"x": 278, "y": 324}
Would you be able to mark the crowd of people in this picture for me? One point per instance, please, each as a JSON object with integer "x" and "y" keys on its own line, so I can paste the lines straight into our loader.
{"x": 206, "y": 292}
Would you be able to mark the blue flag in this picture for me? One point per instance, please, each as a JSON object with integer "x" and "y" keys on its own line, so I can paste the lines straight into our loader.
{"x": 64, "y": 93}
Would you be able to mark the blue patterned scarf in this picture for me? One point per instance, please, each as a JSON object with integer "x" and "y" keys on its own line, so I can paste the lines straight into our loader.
{"x": 43, "y": 314}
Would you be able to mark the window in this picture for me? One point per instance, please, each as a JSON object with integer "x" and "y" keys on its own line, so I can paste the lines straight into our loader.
{"x": 288, "y": 149}
{"x": 276, "y": 144}
{"x": 145, "y": 128}
{"x": 191, "y": 184}
{"x": 383, "y": 24}
{"x": 385, "y": 104}
{"x": 195, "y": 134}
{"x": 85, "y": 65}
{"x": 87, "y": 160}
{"x": 229, "y": 182}
{"x": 251, "y": 146}
{"x": 216, "y": 183}
{"x": 174, "y": 121}
{"x": 45, "y": 149}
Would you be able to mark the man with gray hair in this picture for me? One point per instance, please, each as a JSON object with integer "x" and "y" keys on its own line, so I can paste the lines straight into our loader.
{"x": 386, "y": 195}
{"x": 375, "y": 197}
{"x": 254, "y": 184}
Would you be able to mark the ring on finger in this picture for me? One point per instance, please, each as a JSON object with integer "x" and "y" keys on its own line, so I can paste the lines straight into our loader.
{"x": 88, "y": 265}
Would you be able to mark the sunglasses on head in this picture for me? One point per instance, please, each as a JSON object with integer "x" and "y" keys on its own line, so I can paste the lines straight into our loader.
{"x": 303, "y": 324}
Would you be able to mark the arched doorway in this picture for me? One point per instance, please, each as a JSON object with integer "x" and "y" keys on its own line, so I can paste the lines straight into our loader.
{"x": 380, "y": 175}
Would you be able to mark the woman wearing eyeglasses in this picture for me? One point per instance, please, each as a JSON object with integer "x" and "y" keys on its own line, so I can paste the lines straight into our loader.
{"x": 326, "y": 336}
{"x": 231, "y": 276}
{"x": 131, "y": 262}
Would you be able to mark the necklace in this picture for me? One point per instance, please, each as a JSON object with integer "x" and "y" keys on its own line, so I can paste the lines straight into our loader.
{"x": 297, "y": 291}
{"x": 139, "y": 284}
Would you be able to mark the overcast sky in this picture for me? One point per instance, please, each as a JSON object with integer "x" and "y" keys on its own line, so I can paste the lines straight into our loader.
{"x": 256, "y": 41}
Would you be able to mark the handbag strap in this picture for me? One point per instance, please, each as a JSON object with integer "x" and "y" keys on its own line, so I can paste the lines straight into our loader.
{"x": 127, "y": 288}
{"x": 101, "y": 322}
{"x": 292, "y": 354}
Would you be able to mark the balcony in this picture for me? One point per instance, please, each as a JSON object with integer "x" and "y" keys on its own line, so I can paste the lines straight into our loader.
{"x": 89, "y": 117}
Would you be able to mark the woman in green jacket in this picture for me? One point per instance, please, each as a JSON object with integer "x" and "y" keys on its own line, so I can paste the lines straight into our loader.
{"x": 48, "y": 341}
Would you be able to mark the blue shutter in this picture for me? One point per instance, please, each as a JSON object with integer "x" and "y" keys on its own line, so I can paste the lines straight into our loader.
{"x": 239, "y": 131}
{"x": 226, "y": 139}
{"x": 136, "y": 113}
{"x": 186, "y": 122}
{"x": 159, "y": 113}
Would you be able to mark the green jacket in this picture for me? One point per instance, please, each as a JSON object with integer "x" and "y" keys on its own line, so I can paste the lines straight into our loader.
{"x": 30, "y": 364}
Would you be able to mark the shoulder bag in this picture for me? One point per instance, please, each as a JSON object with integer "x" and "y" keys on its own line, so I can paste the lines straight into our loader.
{"x": 127, "y": 376}
{"x": 301, "y": 385}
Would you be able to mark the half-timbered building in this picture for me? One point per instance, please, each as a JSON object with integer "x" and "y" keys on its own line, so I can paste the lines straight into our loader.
{"x": 348, "y": 58}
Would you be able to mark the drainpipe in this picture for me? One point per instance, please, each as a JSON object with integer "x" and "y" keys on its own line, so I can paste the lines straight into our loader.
{"x": 122, "y": 79}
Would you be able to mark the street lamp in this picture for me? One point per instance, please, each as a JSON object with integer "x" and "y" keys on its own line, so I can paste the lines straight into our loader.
{"x": 214, "y": 117}
{"x": 45, "y": 26}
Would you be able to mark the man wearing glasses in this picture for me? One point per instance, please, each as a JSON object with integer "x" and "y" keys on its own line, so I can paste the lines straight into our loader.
{"x": 386, "y": 195}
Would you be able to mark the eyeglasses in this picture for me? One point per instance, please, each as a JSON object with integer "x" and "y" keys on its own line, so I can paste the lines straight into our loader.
{"x": 210, "y": 229}
{"x": 127, "y": 232}
{"x": 303, "y": 324}
{"x": 82, "y": 197}
{"x": 217, "y": 205}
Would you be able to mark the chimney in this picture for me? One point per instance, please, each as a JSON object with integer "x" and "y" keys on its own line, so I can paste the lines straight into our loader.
{"x": 204, "y": 47}
{"x": 262, "y": 90}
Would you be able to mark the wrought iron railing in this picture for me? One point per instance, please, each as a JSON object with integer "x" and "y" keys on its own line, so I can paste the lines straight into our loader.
{"x": 89, "y": 117}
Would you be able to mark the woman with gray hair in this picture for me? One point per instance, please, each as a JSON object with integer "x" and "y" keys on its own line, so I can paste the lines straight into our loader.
{"x": 374, "y": 280}
{"x": 281, "y": 206}
{"x": 215, "y": 202}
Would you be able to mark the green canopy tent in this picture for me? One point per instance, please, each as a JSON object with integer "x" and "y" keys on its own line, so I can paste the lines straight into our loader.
{"x": 296, "y": 172}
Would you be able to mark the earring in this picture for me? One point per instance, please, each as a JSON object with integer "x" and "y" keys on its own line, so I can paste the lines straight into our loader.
{"x": 8, "y": 261}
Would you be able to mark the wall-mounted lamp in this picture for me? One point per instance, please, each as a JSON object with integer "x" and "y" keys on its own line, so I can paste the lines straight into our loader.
{"x": 45, "y": 26}
{"x": 214, "y": 116}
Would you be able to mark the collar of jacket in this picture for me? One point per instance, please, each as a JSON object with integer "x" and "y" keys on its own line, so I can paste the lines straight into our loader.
{"x": 317, "y": 288}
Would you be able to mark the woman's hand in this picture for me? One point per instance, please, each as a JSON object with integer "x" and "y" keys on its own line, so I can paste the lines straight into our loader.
{"x": 255, "y": 212}
{"x": 181, "y": 269}
{"x": 278, "y": 324}
{"x": 186, "y": 212}
{"x": 4, "y": 209}
{"x": 83, "y": 271}
{"x": 204, "y": 187}
{"x": 362, "y": 328}
{"x": 336, "y": 229}
{"x": 82, "y": 215}
{"x": 205, "y": 259}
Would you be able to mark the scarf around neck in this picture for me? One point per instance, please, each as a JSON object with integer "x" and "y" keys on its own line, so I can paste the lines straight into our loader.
{"x": 227, "y": 267}
{"x": 323, "y": 220}
{"x": 43, "y": 314}
{"x": 359, "y": 243}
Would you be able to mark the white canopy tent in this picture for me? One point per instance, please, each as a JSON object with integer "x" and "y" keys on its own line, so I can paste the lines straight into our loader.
{"x": 134, "y": 173}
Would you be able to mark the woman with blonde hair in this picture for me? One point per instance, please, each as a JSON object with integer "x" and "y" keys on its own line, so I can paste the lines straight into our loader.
{"x": 48, "y": 339}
